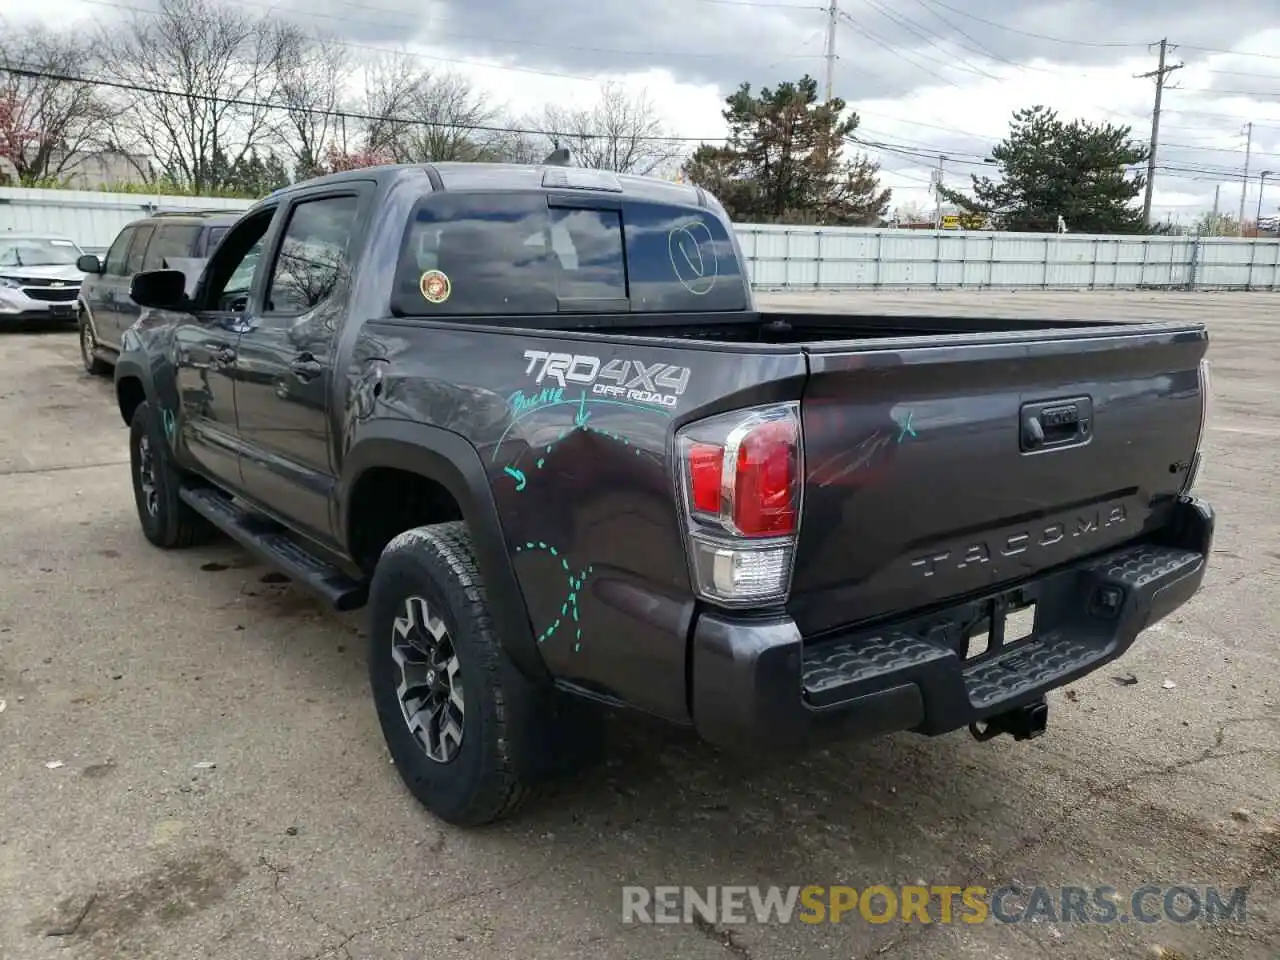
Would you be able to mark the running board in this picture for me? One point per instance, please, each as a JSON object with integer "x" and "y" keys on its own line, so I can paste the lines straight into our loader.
{"x": 267, "y": 539}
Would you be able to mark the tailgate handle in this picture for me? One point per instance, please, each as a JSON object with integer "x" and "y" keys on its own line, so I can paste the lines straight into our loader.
{"x": 1052, "y": 424}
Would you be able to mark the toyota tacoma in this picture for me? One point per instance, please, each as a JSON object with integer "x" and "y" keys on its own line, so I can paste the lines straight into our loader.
{"x": 533, "y": 417}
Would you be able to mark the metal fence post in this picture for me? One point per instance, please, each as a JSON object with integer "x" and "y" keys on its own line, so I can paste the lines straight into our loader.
{"x": 817, "y": 261}
{"x": 1192, "y": 279}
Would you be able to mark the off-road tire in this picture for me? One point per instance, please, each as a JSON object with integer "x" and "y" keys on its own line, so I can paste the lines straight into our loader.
{"x": 173, "y": 524}
{"x": 93, "y": 365}
{"x": 516, "y": 734}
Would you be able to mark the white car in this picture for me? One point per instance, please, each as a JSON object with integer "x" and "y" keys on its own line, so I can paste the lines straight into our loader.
{"x": 39, "y": 279}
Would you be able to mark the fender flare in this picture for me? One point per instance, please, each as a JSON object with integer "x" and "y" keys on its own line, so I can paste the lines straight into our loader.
{"x": 127, "y": 367}
{"x": 450, "y": 459}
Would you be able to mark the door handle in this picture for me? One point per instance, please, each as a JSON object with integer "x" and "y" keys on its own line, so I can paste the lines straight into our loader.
{"x": 306, "y": 366}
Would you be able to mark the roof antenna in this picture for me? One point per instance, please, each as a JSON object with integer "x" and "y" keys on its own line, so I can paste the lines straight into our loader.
{"x": 558, "y": 157}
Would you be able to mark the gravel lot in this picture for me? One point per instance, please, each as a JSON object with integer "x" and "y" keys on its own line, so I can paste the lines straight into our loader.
{"x": 131, "y": 666}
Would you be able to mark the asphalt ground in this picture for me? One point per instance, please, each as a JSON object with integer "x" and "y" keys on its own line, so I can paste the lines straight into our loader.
{"x": 190, "y": 765}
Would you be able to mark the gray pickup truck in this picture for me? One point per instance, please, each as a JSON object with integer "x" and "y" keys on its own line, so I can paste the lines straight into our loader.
{"x": 533, "y": 417}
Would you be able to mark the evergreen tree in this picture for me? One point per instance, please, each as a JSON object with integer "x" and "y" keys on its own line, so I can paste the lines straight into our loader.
{"x": 785, "y": 160}
{"x": 1081, "y": 171}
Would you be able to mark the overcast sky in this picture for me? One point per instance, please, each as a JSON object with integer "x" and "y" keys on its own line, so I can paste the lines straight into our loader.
{"x": 928, "y": 77}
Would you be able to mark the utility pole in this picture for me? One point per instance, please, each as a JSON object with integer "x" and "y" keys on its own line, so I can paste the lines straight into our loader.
{"x": 1262, "y": 183}
{"x": 1160, "y": 72}
{"x": 833, "y": 17}
{"x": 1213, "y": 219}
{"x": 1244, "y": 180}
{"x": 937, "y": 195}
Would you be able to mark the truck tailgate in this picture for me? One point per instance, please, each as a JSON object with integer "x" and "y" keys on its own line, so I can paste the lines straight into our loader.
{"x": 926, "y": 479}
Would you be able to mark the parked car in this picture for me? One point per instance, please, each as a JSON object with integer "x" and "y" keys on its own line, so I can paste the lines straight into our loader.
{"x": 532, "y": 416}
{"x": 39, "y": 277}
{"x": 181, "y": 239}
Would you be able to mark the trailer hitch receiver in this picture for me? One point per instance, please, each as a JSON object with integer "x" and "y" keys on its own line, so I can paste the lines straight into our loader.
{"x": 1024, "y": 723}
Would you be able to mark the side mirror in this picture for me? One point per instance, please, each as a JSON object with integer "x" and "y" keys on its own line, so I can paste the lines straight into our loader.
{"x": 161, "y": 289}
{"x": 88, "y": 263}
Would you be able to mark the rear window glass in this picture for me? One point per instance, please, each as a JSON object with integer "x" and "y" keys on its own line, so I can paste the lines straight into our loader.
{"x": 681, "y": 259}
{"x": 477, "y": 254}
{"x": 473, "y": 254}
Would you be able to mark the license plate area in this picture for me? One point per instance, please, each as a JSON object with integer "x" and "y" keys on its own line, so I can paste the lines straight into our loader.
{"x": 1004, "y": 621}
{"x": 62, "y": 311}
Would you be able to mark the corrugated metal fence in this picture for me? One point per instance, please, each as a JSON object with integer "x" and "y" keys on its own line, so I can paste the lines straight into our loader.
{"x": 90, "y": 218}
{"x": 781, "y": 257}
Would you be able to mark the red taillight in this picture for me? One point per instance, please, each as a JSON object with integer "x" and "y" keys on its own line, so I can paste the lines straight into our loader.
{"x": 764, "y": 491}
{"x": 706, "y": 472}
{"x": 742, "y": 477}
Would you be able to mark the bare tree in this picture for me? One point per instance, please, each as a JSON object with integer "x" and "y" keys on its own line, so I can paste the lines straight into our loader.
{"x": 391, "y": 83}
{"x": 207, "y": 78}
{"x": 450, "y": 111}
{"x": 53, "y": 119}
{"x": 311, "y": 74}
{"x": 421, "y": 116}
{"x": 621, "y": 133}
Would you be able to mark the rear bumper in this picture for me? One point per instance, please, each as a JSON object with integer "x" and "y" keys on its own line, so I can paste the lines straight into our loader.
{"x": 760, "y": 685}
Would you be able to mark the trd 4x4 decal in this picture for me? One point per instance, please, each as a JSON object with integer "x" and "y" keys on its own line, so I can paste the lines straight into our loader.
{"x": 657, "y": 383}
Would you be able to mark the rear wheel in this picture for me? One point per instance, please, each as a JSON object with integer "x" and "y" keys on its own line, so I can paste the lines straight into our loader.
{"x": 93, "y": 364}
{"x": 167, "y": 520}
{"x": 468, "y": 733}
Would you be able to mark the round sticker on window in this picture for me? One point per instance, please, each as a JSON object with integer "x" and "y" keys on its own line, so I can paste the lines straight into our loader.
{"x": 435, "y": 286}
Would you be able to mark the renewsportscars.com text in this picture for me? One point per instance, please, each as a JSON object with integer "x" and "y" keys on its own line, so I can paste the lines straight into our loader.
{"x": 943, "y": 904}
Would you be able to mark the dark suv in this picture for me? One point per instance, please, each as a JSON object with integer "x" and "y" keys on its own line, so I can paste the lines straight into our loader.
{"x": 154, "y": 243}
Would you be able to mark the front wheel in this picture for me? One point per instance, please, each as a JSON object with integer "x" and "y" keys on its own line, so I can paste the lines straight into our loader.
{"x": 467, "y": 732}
{"x": 93, "y": 364}
{"x": 167, "y": 521}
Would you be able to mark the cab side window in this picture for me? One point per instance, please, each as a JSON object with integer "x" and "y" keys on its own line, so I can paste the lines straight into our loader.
{"x": 138, "y": 251}
{"x": 116, "y": 256}
{"x": 313, "y": 254}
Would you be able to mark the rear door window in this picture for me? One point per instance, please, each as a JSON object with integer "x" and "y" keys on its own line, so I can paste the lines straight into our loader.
{"x": 171, "y": 240}
{"x": 138, "y": 251}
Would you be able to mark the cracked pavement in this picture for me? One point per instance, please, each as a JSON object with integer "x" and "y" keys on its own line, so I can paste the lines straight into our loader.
{"x": 131, "y": 666}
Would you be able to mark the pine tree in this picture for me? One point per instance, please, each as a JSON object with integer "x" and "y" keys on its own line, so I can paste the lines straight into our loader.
{"x": 1081, "y": 171}
{"x": 785, "y": 160}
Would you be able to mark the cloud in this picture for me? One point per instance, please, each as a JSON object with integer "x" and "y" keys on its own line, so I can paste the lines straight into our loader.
{"x": 928, "y": 77}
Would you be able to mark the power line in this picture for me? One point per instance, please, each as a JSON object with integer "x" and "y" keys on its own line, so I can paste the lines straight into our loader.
{"x": 906, "y": 23}
{"x": 613, "y": 51}
{"x": 901, "y": 53}
{"x": 271, "y": 8}
{"x": 323, "y": 112}
{"x": 1035, "y": 36}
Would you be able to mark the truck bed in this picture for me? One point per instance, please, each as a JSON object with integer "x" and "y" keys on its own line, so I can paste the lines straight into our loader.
{"x": 921, "y": 485}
